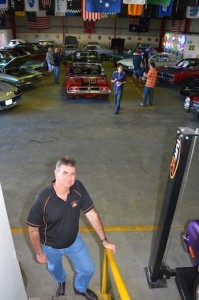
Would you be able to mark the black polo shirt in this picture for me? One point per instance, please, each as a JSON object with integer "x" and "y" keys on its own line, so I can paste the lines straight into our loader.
{"x": 58, "y": 220}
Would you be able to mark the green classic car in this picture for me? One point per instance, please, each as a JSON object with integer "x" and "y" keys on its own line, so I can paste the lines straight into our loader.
{"x": 15, "y": 73}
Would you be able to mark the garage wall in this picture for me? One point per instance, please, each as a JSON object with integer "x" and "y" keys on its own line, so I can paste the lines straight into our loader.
{"x": 105, "y": 30}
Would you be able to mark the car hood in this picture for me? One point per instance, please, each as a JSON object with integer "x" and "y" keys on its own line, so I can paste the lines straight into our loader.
{"x": 17, "y": 62}
{"x": 170, "y": 70}
{"x": 126, "y": 61}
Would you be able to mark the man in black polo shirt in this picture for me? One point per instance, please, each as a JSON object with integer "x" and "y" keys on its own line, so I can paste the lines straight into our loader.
{"x": 54, "y": 228}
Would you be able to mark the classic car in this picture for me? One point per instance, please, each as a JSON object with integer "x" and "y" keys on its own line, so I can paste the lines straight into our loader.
{"x": 15, "y": 73}
{"x": 87, "y": 80}
{"x": 9, "y": 95}
{"x": 7, "y": 55}
{"x": 68, "y": 50}
{"x": 85, "y": 56}
{"x": 161, "y": 59}
{"x": 71, "y": 40}
{"x": 103, "y": 53}
{"x": 191, "y": 103}
{"x": 116, "y": 56}
{"x": 188, "y": 67}
{"x": 14, "y": 42}
{"x": 188, "y": 85}
{"x": 43, "y": 45}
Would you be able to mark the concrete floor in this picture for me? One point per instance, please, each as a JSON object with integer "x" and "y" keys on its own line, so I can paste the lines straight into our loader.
{"x": 123, "y": 160}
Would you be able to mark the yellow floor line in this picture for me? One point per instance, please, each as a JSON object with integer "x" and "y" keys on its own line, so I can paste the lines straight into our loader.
{"x": 132, "y": 228}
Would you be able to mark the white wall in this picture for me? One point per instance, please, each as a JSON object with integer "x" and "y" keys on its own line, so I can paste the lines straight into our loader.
{"x": 11, "y": 283}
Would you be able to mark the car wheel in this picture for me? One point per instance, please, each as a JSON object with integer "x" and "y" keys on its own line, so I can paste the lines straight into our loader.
{"x": 103, "y": 56}
{"x": 196, "y": 288}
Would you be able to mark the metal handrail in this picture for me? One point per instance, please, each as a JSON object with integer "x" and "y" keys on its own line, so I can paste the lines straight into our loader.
{"x": 110, "y": 260}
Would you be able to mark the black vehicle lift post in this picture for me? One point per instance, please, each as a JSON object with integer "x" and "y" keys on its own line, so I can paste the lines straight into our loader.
{"x": 157, "y": 272}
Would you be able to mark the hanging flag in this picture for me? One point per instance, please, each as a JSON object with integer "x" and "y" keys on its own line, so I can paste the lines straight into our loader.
{"x": 47, "y": 5}
{"x": 3, "y": 4}
{"x": 139, "y": 2}
{"x": 135, "y": 10}
{"x": 192, "y": 12}
{"x": 175, "y": 26}
{"x": 73, "y": 6}
{"x": 89, "y": 27}
{"x": 89, "y": 15}
{"x": 159, "y": 2}
{"x": 31, "y": 16}
{"x": 19, "y": 5}
{"x": 60, "y": 7}
{"x": 124, "y": 11}
{"x": 165, "y": 10}
{"x": 150, "y": 11}
{"x": 39, "y": 23}
{"x": 2, "y": 20}
{"x": 188, "y": 3}
{"x": 178, "y": 11}
{"x": 31, "y": 5}
{"x": 139, "y": 24}
{"x": 104, "y": 6}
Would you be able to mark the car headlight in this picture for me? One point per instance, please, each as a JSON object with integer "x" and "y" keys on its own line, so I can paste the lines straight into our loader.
{"x": 187, "y": 103}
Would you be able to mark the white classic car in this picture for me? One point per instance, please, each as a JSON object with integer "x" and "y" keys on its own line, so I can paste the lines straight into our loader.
{"x": 161, "y": 59}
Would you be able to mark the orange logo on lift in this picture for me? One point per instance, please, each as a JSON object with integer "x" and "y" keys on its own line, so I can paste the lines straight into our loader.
{"x": 175, "y": 159}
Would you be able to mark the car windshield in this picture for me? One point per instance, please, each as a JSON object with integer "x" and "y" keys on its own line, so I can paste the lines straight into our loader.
{"x": 86, "y": 69}
{"x": 191, "y": 64}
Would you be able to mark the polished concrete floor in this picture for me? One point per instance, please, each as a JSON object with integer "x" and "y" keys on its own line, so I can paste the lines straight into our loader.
{"x": 123, "y": 160}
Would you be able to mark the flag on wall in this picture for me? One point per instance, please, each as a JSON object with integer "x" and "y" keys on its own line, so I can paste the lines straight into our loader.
{"x": 188, "y": 3}
{"x": 31, "y": 5}
{"x": 175, "y": 26}
{"x": 2, "y": 20}
{"x": 3, "y": 4}
{"x": 135, "y": 10}
{"x": 139, "y": 2}
{"x": 165, "y": 10}
{"x": 73, "y": 6}
{"x": 159, "y": 2}
{"x": 47, "y": 5}
{"x": 104, "y": 6}
{"x": 89, "y": 15}
{"x": 19, "y": 5}
{"x": 39, "y": 23}
{"x": 139, "y": 24}
{"x": 192, "y": 12}
{"x": 60, "y": 7}
{"x": 178, "y": 11}
{"x": 89, "y": 27}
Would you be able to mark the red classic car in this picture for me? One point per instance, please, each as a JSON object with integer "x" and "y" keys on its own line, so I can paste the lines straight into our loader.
{"x": 185, "y": 68}
{"x": 191, "y": 103}
{"x": 87, "y": 80}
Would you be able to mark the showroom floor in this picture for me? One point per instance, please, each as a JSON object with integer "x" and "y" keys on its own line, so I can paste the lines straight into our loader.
{"x": 123, "y": 160}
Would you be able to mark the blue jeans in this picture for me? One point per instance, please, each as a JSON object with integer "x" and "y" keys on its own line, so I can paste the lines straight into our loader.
{"x": 117, "y": 97}
{"x": 80, "y": 259}
{"x": 148, "y": 91}
{"x": 56, "y": 73}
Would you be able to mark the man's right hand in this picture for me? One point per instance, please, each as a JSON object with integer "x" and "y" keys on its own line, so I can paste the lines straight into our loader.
{"x": 41, "y": 258}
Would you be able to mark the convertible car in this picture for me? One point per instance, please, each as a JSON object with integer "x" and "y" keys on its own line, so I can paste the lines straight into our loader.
{"x": 87, "y": 80}
{"x": 9, "y": 95}
{"x": 16, "y": 74}
{"x": 188, "y": 67}
{"x": 191, "y": 104}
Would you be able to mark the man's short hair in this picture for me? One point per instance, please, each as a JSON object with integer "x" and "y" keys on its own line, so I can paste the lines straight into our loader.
{"x": 152, "y": 64}
{"x": 67, "y": 161}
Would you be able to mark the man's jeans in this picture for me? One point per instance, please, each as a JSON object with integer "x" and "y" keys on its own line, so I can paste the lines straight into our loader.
{"x": 80, "y": 259}
{"x": 56, "y": 73}
{"x": 148, "y": 91}
{"x": 117, "y": 97}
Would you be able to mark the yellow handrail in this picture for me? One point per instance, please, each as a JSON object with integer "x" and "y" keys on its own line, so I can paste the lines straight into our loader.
{"x": 109, "y": 258}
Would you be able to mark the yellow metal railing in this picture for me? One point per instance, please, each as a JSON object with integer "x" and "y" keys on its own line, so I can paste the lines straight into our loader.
{"x": 110, "y": 260}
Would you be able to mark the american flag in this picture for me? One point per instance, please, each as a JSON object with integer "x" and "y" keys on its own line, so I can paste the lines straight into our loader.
{"x": 175, "y": 26}
{"x": 39, "y": 23}
{"x": 89, "y": 15}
